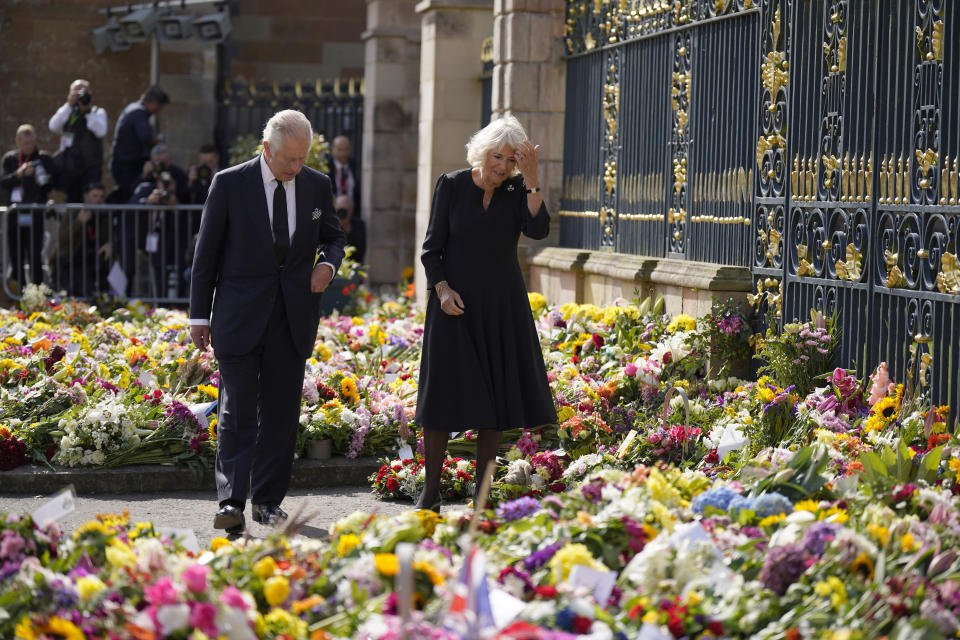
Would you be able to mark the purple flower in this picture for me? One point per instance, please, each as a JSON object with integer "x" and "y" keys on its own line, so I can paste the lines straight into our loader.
{"x": 519, "y": 508}
{"x": 782, "y": 566}
{"x": 817, "y": 536}
{"x": 540, "y": 557}
{"x": 592, "y": 491}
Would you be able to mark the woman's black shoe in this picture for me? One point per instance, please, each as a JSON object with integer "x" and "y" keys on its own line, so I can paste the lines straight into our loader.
{"x": 435, "y": 507}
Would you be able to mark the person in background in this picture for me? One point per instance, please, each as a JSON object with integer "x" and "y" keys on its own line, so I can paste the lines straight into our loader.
{"x": 201, "y": 174}
{"x": 132, "y": 140}
{"x": 343, "y": 171}
{"x": 84, "y": 248}
{"x": 353, "y": 226}
{"x": 81, "y": 126}
{"x": 26, "y": 177}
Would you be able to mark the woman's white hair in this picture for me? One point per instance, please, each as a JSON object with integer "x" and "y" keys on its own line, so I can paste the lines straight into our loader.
{"x": 285, "y": 124}
{"x": 507, "y": 130}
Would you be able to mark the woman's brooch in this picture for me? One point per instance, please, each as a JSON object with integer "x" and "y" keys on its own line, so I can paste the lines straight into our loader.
{"x": 509, "y": 187}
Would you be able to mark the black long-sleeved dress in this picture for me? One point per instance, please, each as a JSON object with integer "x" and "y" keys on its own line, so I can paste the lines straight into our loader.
{"x": 483, "y": 369}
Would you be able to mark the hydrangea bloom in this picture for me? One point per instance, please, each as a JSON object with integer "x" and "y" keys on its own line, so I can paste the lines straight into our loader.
{"x": 718, "y": 497}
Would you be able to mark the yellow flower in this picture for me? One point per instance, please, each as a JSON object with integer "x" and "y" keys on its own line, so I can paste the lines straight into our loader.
{"x": 347, "y": 543}
{"x": 54, "y": 627}
{"x": 834, "y": 514}
{"x": 570, "y": 556}
{"x": 406, "y": 274}
{"x": 324, "y": 352}
{"x": 24, "y": 630}
{"x": 881, "y": 533}
{"x": 682, "y": 321}
{"x": 537, "y": 301}
{"x": 863, "y": 566}
{"x": 210, "y": 390}
{"x": 93, "y": 526}
{"x": 8, "y": 363}
{"x": 212, "y": 428}
{"x": 276, "y": 590}
{"x": 908, "y": 543}
{"x": 89, "y": 586}
{"x": 954, "y": 465}
{"x": 807, "y": 505}
{"x": 386, "y": 564}
{"x": 428, "y": 520}
{"x": 435, "y": 577}
{"x": 120, "y": 555}
{"x": 280, "y": 622}
{"x": 834, "y": 588}
{"x": 218, "y": 543}
{"x": 772, "y": 520}
{"x": 265, "y": 567}
{"x": 766, "y": 394}
{"x": 348, "y": 387}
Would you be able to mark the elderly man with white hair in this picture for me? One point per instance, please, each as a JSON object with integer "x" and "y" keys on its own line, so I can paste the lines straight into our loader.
{"x": 269, "y": 245}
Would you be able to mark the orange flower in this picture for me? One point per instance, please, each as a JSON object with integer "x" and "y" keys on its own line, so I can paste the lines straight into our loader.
{"x": 41, "y": 345}
{"x": 607, "y": 389}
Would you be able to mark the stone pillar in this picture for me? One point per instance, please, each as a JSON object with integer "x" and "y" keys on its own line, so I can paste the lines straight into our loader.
{"x": 453, "y": 32}
{"x": 529, "y": 82}
{"x": 390, "y": 104}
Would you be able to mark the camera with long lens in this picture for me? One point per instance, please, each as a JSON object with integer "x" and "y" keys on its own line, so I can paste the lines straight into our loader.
{"x": 204, "y": 173}
{"x": 165, "y": 182}
{"x": 342, "y": 214}
{"x": 84, "y": 97}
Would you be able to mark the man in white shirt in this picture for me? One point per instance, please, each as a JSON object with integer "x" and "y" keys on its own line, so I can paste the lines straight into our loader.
{"x": 82, "y": 126}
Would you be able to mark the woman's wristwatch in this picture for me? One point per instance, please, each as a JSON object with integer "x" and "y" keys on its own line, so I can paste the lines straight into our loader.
{"x": 440, "y": 286}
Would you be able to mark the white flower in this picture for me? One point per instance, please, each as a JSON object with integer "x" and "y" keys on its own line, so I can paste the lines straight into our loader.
{"x": 173, "y": 617}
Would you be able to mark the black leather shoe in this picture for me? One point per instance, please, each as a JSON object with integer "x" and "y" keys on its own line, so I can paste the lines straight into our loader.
{"x": 230, "y": 518}
{"x": 268, "y": 514}
{"x": 434, "y": 506}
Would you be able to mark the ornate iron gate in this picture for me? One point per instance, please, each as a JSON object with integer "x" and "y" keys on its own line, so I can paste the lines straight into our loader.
{"x": 815, "y": 141}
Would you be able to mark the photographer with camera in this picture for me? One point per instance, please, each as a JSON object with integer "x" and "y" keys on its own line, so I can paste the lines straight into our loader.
{"x": 201, "y": 174}
{"x": 81, "y": 126}
{"x": 352, "y": 225}
{"x": 25, "y": 178}
{"x": 159, "y": 236}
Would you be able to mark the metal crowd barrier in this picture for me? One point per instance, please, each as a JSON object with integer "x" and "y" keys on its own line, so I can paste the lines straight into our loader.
{"x": 132, "y": 251}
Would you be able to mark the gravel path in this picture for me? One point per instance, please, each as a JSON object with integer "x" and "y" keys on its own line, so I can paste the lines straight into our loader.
{"x": 195, "y": 510}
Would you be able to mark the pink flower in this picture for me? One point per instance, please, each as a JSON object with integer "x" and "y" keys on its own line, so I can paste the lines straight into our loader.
{"x": 881, "y": 384}
{"x": 161, "y": 592}
{"x": 630, "y": 369}
{"x": 195, "y": 578}
{"x": 203, "y": 616}
{"x": 233, "y": 597}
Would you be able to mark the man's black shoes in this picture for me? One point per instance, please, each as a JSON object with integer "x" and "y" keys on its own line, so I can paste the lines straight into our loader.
{"x": 269, "y": 514}
{"x": 230, "y": 518}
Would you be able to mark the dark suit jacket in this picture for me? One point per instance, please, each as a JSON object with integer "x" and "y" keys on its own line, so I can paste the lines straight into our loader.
{"x": 235, "y": 259}
{"x": 332, "y": 174}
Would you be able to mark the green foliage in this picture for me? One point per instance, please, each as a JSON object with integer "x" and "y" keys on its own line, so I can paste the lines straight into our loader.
{"x": 888, "y": 468}
{"x": 803, "y": 476}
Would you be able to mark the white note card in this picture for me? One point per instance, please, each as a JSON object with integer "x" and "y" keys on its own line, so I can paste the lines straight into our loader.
{"x": 599, "y": 582}
{"x": 186, "y": 537}
{"x": 59, "y": 505}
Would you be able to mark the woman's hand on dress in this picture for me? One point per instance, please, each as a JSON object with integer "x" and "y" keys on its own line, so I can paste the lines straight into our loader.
{"x": 451, "y": 302}
{"x": 527, "y": 161}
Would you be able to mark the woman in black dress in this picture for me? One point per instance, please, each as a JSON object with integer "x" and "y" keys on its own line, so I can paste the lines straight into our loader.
{"x": 481, "y": 367}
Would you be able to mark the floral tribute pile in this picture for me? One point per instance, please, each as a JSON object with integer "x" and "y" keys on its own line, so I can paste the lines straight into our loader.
{"x": 676, "y": 497}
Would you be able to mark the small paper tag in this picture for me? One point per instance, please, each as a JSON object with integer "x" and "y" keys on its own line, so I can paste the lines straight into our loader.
{"x": 153, "y": 242}
{"x": 117, "y": 279}
{"x": 599, "y": 582}
{"x": 186, "y": 537}
{"x": 405, "y": 452}
{"x": 62, "y": 503}
{"x": 505, "y": 607}
{"x": 625, "y": 445}
{"x": 147, "y": 379}
{"x": 16, "y": 195}
{"x": 72, "y": 348}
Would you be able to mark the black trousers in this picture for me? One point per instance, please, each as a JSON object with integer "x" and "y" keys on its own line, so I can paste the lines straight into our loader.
{"x": 258, "y": 415}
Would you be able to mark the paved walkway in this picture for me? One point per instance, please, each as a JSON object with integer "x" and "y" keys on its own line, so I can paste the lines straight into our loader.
{"x": 194, "y": 510}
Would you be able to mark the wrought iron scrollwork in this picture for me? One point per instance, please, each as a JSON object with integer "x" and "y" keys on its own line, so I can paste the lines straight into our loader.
{"x": 611, "y": 149}
{"x": 927, "y": 90}
{"x": 775, "y": 76}
{"x": 680, "y": 139}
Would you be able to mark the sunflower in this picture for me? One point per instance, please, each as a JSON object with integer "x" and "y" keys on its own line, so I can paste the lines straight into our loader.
{"x": 862, "y": 566}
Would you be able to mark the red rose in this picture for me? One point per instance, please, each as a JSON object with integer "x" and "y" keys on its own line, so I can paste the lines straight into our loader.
{"x": 675, "y": 625}
{"x": 581, "y": 624}
{"x": 715, "y": 627}
{"x": 546, "y": 592}
{"x": 392, "y": 484}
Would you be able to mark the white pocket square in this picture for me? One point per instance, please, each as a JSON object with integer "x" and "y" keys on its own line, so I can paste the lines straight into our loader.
{"x": 316, "y": 214}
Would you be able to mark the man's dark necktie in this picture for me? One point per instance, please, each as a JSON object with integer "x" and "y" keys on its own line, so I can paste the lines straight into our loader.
{"x": 281, "y": 230}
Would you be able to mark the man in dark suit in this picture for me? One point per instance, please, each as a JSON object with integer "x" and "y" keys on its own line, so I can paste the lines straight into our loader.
{"x": 269, "y": 244}
{"x": 342, "y": 171}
